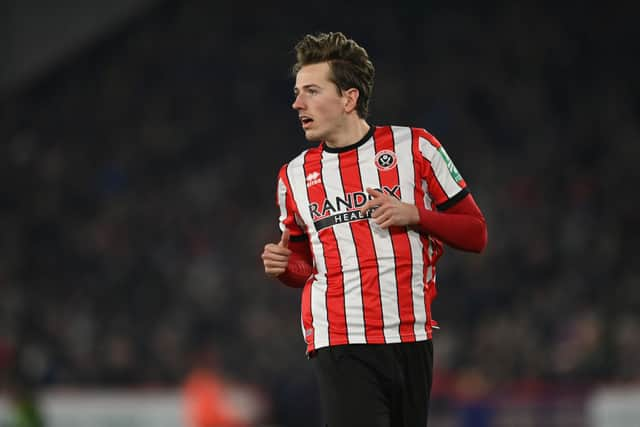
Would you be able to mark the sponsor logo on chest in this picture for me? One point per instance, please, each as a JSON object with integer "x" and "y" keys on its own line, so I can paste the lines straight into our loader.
{"x": 329, "y": 212}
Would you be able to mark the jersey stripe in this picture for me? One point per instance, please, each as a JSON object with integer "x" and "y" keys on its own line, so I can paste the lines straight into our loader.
{"x": 349, "y": 294}
{"x": 430, "y": 292}
{"x": 402, "y": 249}
{"x": 282, "y": 203}
{"x": 285, "y": 197}
{"x": 332, "y": 285}
{"x": 366, "y": 253}
{"x": 296, "y": 179}
{"x": 442, "y": 183}
{"x": 384, "y": 250}
{"x": 287, "y": 205}
{"x": 423, "y": 200}
{"x": 403, "y": 148}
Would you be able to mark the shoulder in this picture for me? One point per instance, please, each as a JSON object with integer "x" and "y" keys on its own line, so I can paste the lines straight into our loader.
{"x": 427, "y": 136}
{"x": 420, "y": 139}
{"x": 396, "y": 135}
{"x": 416, "y": 135}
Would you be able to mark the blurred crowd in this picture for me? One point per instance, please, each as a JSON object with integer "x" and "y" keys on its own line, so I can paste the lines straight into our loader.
{"x": 137, "y": 188}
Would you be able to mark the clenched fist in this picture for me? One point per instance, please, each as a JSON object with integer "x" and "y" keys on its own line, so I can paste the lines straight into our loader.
{"x": 275, "y": 256}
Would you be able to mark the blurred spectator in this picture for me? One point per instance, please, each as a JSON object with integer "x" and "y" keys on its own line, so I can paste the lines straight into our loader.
{"x": 206, "y": 396}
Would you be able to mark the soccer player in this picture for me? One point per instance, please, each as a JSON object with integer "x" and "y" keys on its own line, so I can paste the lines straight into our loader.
{"x": 364, "y": 215}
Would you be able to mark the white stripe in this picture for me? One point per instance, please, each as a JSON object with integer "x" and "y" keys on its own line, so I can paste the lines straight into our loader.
{"x": 439, "y": 166}
{"x": 404, "y": 153}
{"x": 354, "y": 312}
{"x": 418, "y": 286}
{"x": 402, "y": 141}
{"x": 427, "y": 198}
{"x": 431, "y": 268}
{"x": 282, "y": 203}
{"x": 384, "y": 250}
{"x": 295, "y": 172}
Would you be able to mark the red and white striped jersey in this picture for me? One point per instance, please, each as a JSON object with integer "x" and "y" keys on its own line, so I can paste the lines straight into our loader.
{"x": 369, "y": 285}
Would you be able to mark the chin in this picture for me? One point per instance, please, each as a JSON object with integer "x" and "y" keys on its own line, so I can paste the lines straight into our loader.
{"x": 312, "y": 136}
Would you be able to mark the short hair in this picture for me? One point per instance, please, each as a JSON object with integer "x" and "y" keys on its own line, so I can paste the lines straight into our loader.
{"x": 349, "y": 63}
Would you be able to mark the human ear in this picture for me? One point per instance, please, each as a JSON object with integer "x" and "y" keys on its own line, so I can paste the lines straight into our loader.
{"x": 350, "y": 97}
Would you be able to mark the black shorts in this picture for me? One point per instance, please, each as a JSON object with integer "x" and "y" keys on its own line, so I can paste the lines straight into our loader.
{"x": 375, "y": 385}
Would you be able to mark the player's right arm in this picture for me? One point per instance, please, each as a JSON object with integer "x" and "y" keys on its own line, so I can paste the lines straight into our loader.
{"x": 290, "y": 259}
{"x": 275, "y": 256}
{"x": 289, "y": 262}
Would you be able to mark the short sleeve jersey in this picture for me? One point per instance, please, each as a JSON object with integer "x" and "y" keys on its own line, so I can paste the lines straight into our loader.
{"x": 369, "y": 285}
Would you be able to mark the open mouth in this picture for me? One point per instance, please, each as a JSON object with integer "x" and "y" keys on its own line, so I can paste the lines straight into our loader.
{"x": 306, "y": 121}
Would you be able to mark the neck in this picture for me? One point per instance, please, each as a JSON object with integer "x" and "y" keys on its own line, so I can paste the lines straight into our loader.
{"x": 351, "y": 133}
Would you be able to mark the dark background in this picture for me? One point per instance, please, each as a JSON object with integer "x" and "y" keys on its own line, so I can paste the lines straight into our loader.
{"x": 138, "y": 159}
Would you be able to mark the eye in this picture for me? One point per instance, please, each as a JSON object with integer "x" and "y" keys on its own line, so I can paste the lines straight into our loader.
{"x": 313, "y": 91}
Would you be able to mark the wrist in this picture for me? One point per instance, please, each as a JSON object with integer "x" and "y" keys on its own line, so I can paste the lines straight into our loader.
{"x": 414, "y": 218}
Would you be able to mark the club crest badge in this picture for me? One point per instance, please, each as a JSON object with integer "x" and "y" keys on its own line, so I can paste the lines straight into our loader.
{"x": 386, "y": 160}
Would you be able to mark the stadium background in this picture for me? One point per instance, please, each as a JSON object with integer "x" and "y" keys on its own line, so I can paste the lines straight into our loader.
{"x": 139, "y": 144}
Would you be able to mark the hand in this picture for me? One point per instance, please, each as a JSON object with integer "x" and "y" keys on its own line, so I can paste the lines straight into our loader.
{"x": 389, "y": 211}
{"x": 275, "y": 257}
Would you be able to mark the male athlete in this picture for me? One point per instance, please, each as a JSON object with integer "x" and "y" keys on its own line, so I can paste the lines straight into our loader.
{"x": 364, "y": 215}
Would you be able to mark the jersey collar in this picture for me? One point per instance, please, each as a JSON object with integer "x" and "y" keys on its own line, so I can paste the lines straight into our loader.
{"x": 364, "y": 139}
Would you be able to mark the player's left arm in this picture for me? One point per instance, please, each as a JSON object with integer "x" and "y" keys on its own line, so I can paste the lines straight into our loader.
{"x": 461, "y": 225}
{"x": 452, "y": 216}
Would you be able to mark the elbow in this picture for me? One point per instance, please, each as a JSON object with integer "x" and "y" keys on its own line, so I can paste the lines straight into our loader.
{"x": 480, "y": 241}
{"x": 483, "y": 237}
{"x": 482, "y": 244}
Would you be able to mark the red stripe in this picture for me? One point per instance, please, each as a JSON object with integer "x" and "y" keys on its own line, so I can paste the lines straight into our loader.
{"x": 365, "y": 251}
{"x": 434, "y": 243}
{"x": 419, "y": 169}
{"x": 334, "y": 297}
{"x": 436, "y": 190}
{"x": 400, "y": 242}
{"x": 434, "y": 184}
{"x": 306, "y": 313}
{"x": 290, "y": 219}
{"x": 307, "y": 317}
{"x": 305, "y": 309}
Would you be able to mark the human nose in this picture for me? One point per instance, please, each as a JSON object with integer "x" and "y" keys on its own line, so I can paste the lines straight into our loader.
{"x": 297, "y": 103}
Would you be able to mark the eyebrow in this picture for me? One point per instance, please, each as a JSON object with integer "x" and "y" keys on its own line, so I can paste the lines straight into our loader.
{"x": 296, "y": 90}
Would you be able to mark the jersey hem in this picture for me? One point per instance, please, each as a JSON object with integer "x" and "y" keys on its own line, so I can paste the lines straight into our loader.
{"x": 374, "y": 340}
